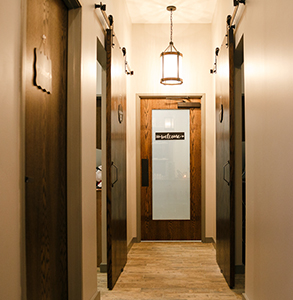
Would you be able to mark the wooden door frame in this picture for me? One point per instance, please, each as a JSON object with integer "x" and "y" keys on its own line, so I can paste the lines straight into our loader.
{"x": 139, "y": 97}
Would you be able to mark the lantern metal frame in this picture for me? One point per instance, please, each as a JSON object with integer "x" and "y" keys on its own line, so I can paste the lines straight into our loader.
{"x": 171, "y": 50}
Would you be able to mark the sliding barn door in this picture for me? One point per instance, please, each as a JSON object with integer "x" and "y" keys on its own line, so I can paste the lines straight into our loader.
{"x": 116, "y": 160}
{"x": 45, "y": 152}
{"x": 225, "y": 159}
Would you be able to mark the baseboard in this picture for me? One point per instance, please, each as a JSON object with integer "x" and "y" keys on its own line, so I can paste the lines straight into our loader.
{"x": 240, "y": 269}
{"x": 103, "y": 268}
{"x": 133, "y": 241}
{"x": 244, "y": 297}
{"x": 96, "y": 296}
{"x": 208, "y": 240}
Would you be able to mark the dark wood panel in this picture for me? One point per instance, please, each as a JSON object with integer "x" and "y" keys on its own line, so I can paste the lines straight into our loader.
{"x": 99, "y": 226}
{"x": 116, "y": 161}
{"x": 45, "y": 155}
{"x": 225, "y": 143}
{"x": 99, "y": 123}
{"x": 195, "y": 170}
{"x": 171, "y": 229}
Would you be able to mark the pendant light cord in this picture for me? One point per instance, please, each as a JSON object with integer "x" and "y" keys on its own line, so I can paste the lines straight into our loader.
{"x": 171, "y": 33}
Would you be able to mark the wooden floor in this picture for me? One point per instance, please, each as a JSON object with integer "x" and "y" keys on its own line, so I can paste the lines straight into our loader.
{"x": 175, "y": 271}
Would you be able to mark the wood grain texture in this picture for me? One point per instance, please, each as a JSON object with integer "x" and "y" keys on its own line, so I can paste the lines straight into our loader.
{"x": 45, "y": 155}
{"x": 171, "y": 229}
{"x": 108, "y": 157}
{"x": 116, "y": 161}
{"x": 225, "y": 144}
{"x": 171, "y": 271}
{"x": 99, "y": 123}
{"x": 99, "y": 226}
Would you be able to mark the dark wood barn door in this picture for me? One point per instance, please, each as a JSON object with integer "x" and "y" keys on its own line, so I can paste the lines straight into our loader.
{"x": 116, "y": 160}
{"x": 164, "y": 228}
{"x": 45, "y": 153}
{"x": 225, "y": 164}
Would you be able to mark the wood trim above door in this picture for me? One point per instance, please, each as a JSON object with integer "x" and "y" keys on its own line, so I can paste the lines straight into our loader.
{"x": 203, "y": 160}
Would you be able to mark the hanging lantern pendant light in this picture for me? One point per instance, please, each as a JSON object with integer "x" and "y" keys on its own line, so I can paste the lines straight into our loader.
{"x": 171, "y": 59}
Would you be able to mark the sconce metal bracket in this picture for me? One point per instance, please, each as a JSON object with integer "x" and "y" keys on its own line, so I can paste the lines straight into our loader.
{"x": 128, "y": 70}
{"x": 214, "y": 69}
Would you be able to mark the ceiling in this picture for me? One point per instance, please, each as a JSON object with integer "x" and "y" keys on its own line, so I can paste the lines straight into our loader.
{"x": 154, "y": 11}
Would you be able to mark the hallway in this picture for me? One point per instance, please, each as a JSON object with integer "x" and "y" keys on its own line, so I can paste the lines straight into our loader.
{"x": 172, "y": 271}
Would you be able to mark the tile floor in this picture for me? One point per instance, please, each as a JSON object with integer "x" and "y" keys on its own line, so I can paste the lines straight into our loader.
{"x": 171, "y": 271}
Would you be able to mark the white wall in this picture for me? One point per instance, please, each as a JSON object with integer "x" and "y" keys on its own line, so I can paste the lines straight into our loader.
{"x": 90, "y": 31}
{"x": 194, "y": 41}
{"x": 269, "y": 164}
{"x": 10, "y": 164}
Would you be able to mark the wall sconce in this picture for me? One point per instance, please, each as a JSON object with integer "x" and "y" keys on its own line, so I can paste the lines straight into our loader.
{"x": 171, "y": 59}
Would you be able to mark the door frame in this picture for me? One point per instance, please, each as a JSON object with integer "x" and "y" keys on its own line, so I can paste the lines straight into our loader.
{"x": 202, "y": 97}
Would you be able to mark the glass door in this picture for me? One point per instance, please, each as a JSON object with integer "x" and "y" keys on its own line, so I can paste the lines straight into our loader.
{"x": 171, "y": 165}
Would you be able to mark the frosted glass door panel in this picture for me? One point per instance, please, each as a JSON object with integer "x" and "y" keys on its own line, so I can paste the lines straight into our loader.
{"x": 171, "y": 165}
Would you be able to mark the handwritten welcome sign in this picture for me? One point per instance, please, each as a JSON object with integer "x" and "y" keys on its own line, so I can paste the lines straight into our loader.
{"x": 170, "y": 136}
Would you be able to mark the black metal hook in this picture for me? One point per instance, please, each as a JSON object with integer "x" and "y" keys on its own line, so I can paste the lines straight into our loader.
{"x": 111, "y": 19}
{"x": 217, "y": 51}
{"x": 229, "y": 18}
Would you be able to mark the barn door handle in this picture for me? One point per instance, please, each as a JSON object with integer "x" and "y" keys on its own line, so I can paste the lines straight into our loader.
{"x": 116, "y": 172}
{"x": 145, "y": 172}
{"x": 224, "y": 172}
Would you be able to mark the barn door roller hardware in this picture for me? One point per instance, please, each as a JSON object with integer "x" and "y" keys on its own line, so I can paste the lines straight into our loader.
{"x": 237, "y": 2}
{"x": 108, "y": 19}
{"x": 236, "y": 7}
{"x": 230, "y": 24}
{"x": 127, "y": 67}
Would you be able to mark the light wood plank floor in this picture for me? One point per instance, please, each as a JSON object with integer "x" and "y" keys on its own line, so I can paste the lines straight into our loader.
{"x": 170, "y": 271}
